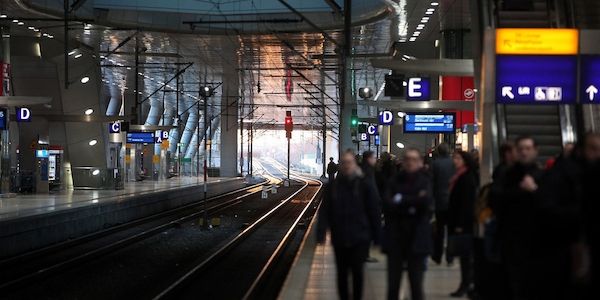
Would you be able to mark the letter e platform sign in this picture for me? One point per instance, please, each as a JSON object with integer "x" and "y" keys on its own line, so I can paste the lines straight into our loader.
{"x": 418, "y": 89}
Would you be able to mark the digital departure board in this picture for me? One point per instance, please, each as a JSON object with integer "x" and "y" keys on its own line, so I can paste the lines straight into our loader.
{"x": 140, "y": 137}
{"x": 429, "y": 123}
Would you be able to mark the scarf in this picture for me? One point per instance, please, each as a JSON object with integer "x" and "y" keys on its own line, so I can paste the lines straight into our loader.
{"x": 457, "y": 174}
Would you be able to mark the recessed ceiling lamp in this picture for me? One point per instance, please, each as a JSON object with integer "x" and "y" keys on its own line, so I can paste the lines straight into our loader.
{"x": 89, "y": 111}
{"x": 434, "y": 4}
{"x": 72, "y": 52}
{"x": 85, "y": 80}
{"x": 92, "y": 142}
{"x": 412, "y": 39}
{"x": 96, "y": 172}
{"x": 429, "y": 12}
{"x": 3, "y": 16}
{"x": 20, "y": 23}
{"x": 15, "y": 21}
{"x": 400, "y": 145}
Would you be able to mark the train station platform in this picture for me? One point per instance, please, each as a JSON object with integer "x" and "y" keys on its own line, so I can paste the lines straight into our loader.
{"x": 313, "y": 276}
{"x": 36, "y": 220}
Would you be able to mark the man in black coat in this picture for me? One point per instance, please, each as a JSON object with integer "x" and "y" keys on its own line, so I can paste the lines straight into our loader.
{"x": 332, "y": 168}
{"x": 408, "y": 206}
{"x": 350, "y": 210}
{"x": 563, "y": 194}
{"x": 442, "y": 170}
{"x": 516, "y": 217}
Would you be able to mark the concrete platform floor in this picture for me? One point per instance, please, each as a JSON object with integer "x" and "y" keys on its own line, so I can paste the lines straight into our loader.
{"x": 440, "y": 281}
{"x": 32, "y": 204}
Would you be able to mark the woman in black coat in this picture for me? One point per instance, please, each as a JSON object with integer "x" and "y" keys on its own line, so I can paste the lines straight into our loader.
{"x": 461, "y": 214}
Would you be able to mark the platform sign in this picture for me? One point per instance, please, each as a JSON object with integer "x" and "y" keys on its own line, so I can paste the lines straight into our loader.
{"x": 114, "y": 127}
{"x": 386, "y": 117}
{"x": 3, "y": 118}
{"x": 537, "y": 41}
{"x": 372, "y": 129}
{"x": 539, "y": 79}
{"x": 23, "y": 114}
{"x": 590, "y": 79}
{"x": 140, "y": 137}
{"x": 429, "y": 123}
{"x": 418, "y": 89}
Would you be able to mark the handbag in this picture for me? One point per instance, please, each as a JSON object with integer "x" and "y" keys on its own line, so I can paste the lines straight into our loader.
{"x": 459, "y": 244}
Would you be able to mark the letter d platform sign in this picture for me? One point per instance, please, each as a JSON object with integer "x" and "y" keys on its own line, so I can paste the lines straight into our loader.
{"x": 386, "y": 117}
{"x": 23, "y": 114}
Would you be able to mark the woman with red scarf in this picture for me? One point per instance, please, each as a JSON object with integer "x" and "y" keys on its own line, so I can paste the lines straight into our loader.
{"x": 461, "y": 215}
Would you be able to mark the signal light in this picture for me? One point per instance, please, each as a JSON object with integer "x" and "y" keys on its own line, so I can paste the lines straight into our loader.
{"x": 289, "y": 124}
{"x": 354, "y": 118}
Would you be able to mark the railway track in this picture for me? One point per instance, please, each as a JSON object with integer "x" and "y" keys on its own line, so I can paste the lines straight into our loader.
{"x": 242, "y": 268}
{"x": 20, "y": 270}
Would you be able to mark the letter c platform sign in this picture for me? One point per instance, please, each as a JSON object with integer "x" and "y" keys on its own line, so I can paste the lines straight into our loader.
{"x": 114, "y": 127}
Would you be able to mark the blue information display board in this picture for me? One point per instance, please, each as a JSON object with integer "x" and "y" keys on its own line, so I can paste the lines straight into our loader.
{"x": 536, "y": 79}
{"x": 590, "y": 79}
{"x": 429, "y": 123}
{"x": 140, "y": 137}
{"x": 3, "y": 118}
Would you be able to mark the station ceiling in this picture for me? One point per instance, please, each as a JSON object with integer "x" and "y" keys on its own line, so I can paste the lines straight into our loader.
{"x": 264, "y": 55}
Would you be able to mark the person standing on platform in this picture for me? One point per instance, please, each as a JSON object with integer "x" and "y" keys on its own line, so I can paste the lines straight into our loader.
{"x": 350, "y": 210}
{"x": 368, "y": 165}
{"x": 442, "y": 170}
{"x": 332, "y": 168}
{"x": 408, "y": 206}
{"x": 386, "y": 169}
{"x": 561, "y": 253}
{"x": 515, "y": 214}
{"x": 461, "y": 217}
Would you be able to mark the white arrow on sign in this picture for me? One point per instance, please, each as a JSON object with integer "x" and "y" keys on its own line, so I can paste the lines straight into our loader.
{"x": 591, "y": 91}
{"x": 507, "y": 92}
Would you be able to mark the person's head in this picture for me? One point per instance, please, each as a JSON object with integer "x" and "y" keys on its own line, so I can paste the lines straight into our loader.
{"x": 591, "y": 148}
{"x": 568, "y": 149}
{"x": 412, "y": 161}
{"x": 527, "y": 149}
{"x": 348, "y": 164}
{"x": 508, "y": 153}
{"x": 462, "y": 159}
{"x": 331, "y": 159}
{"x": 443, "y": 150}
{"x": 369, "y": 158}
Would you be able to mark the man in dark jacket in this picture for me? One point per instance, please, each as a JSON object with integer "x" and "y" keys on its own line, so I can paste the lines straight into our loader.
{"x": 407, "y": 210}
{"x": 350, "y": 210}
{"x": 516, "y": 217}
{"x": 442, "y": 170}
{"x": 332, "y": 168}
{"x": 562, "y": 195}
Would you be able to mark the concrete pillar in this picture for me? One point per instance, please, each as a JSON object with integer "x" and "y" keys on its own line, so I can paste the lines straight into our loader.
{"x": 229, "y": 122}
{"x": 4, "y": 91}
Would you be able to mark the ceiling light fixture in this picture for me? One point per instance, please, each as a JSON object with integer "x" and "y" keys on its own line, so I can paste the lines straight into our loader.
{"x": 92, "y": 142}
{"x": 78, "y": 55}
{"x": 429, "y": 12}
{"x": 85, "y": 80}
{"x": 412, "y": 39}
{"x": 15, "y": 21}
{"x": 96, "y": 172}
{"x": 72, "y": 52}
{"x": 3, "y": 16}
{"x": 20, "y": 23}
{"x": 89, "y": 111}
{"x": 434, "y": 4}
